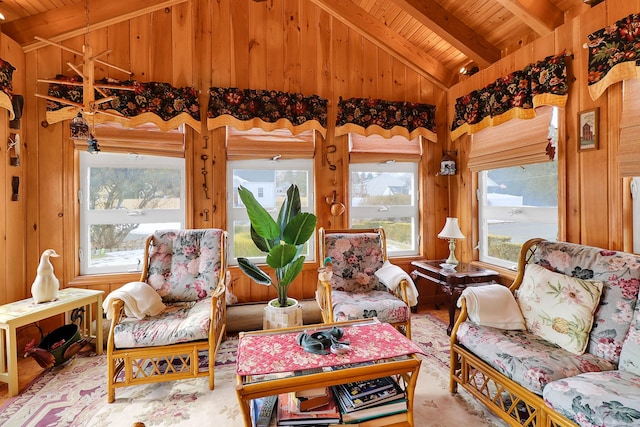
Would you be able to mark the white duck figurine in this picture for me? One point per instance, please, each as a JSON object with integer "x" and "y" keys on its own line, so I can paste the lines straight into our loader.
{"x": 45, "y": 286}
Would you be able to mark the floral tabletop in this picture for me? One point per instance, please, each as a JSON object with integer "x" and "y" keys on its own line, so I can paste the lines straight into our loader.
{"x": 261, "y": 354}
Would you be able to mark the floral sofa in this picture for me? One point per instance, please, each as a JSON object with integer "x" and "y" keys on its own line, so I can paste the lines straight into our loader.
{"x": 576, "y": 361}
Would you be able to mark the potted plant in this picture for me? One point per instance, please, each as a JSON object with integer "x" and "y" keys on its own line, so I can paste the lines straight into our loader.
{"x": 282, "y": 240}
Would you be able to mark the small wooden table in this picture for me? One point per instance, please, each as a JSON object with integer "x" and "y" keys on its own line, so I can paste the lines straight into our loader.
{"x": 271, "y": 362}
{"x": 24, "y": 312}
{"x": 452, "y": 282}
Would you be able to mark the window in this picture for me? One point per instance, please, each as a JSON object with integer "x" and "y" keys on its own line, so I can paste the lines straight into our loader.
{"x": 383, "y": 188}
{"x": 268, "y": 181}
{"x": 518, "y": 200}
{"x": 385, "y": 194}
{"x": 266, "y": 163}
{"x": 124, "y": 198}
{"x": 516, "y": 204}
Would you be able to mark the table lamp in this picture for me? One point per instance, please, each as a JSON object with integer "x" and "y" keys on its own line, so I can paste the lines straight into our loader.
{"x": 452, "y": 232}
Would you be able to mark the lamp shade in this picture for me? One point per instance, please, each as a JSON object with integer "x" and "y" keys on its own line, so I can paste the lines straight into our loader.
{"x": 451, "y": 230}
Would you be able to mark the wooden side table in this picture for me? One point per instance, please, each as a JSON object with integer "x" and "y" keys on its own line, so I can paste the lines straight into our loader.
{"x": 23, "y": 312}
{"x": 452, "y": 282}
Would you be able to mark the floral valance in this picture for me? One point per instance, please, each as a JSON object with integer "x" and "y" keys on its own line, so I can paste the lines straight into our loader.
{"x": 513, "y": 96}
{"x": 136, "y": 103}
{"x": 613, "y": 54}
{"x": 245, "y": 109}
{"x": 367, "y": 116}
{"x": 6, "y": 86}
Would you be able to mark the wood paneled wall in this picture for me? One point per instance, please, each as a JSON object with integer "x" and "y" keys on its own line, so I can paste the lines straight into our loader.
{"x": 12, "y": 213}
{"x": 291, "y": 45}
{"x": 593, "y": 199}
{"x": 287, "y": 45}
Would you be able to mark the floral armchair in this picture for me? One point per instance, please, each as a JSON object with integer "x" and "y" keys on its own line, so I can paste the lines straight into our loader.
{"x": 348, "y": 287}
{"x": 187, "y": 269}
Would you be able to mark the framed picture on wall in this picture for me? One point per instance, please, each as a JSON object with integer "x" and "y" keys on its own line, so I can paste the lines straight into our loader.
{"x": 588, "y": 129}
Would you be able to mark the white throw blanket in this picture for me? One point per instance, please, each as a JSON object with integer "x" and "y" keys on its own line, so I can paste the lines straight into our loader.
{"x": 140, "y": 300}
{"x": 494, "y": 306}
{"x": 390, "y": 275}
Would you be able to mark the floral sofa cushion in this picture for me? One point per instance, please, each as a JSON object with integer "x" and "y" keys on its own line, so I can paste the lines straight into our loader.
{"x": 557, "y": 307}
{"x": 184, "y": 265}
{"x": 381, "y": 304}
{"x": 620, "y": 273}
{"x": 603, "y": 399}
{"x": 526, "y": 358}
{"x": 179, "y": 322}
{"x": 630, "y": 354}
{"x": 355, "y": 258}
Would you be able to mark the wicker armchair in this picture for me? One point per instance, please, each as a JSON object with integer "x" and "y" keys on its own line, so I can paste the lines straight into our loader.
{"x": 187, "y": 268}
{"x": 353, "y": 291}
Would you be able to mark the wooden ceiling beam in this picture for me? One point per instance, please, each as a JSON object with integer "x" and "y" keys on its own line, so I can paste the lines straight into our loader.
{"x": 452, "y": 30}
{"x": 393, "y": 43}
{"x": 62, "y": 23}
{"x": 540, "y": 15}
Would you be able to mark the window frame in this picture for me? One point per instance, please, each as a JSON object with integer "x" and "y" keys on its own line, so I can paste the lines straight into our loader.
{"x": 240, "y": 213}
{"x": 88, "y": 217}
{"x": 557, "y": 119}
{"x": 356, "y": 212}
{"x": 522, "y": 214}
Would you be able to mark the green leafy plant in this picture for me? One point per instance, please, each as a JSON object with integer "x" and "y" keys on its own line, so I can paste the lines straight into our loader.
{"x": 282, "y": 240}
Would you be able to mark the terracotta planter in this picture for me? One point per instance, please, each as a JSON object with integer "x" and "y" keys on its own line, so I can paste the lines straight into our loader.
{"x": 282, "y": 317}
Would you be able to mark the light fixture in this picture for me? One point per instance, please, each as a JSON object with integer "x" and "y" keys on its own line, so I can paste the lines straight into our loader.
{"x": 447, "y": 165}
{"x": 452, "y": 232}
{"x": 93, "y": 146}
{"x": 86, "y": 71}
{"x": 79, "y": 128}
{"x": 469, "y": 70}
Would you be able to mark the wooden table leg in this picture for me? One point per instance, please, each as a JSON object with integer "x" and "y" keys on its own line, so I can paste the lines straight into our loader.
{"x": 12, "y": 360}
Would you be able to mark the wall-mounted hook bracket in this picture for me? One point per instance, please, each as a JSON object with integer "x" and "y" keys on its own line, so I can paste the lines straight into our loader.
{"x": 204, "y": 172}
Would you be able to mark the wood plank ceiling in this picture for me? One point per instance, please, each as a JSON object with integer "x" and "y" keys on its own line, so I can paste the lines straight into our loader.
{"x": 435, "y": 37}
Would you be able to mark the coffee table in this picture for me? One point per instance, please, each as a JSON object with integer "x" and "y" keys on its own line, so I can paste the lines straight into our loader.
{"x": 271, "y": 362}
{"x": 24, "y": 312}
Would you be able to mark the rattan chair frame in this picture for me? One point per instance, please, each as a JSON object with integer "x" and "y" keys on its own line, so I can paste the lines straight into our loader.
{"x": 158, "y": 360}
{"x": 323, "y": 290}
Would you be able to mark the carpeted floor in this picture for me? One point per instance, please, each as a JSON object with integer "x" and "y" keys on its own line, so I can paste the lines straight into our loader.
{"x": 75, "y": 395}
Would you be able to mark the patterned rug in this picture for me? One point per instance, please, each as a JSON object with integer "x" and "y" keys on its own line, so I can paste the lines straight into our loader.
{"x": 75, "y": 394}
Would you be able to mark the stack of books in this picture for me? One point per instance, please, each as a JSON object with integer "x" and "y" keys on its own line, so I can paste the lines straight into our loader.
{"x": 365, "y": 400}
{"x": 307, "y": 400}
{"x": 290, "y": 415}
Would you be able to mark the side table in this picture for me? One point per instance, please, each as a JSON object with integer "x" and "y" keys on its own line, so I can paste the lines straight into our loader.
{"x": 23, "y": 312}
{"x": 452, "y": 282}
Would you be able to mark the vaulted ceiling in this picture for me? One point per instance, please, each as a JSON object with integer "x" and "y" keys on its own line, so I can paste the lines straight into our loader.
{"x": 438, "y": 37}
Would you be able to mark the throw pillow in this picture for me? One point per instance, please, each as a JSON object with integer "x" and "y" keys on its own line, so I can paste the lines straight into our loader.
{"x": 557, "y": 307}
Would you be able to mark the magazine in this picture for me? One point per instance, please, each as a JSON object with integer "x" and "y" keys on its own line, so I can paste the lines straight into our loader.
{"x": 372, "y": 399}
{"x": 359, "y": 389}
{"x": 378, "y": 411}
